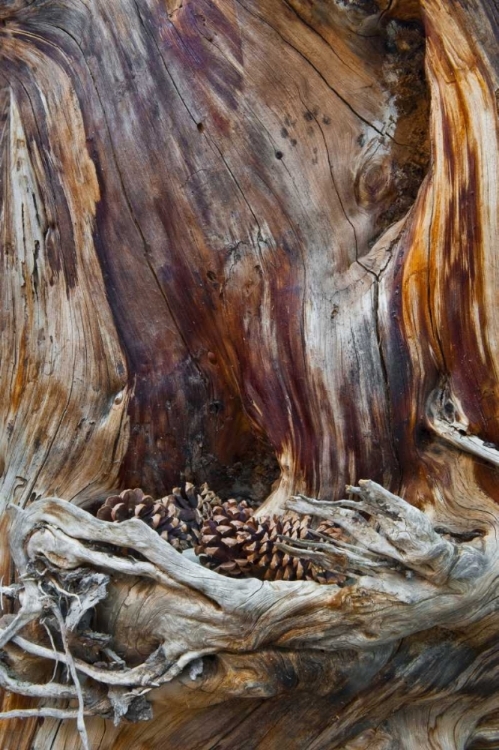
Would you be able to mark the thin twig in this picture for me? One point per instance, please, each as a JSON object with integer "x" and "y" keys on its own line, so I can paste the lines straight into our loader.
{"x": 54, "y": 649}
{"x": 23, "y": 617}
{"x": 47, "y": 690}
{"x": 80, "y": 720}
{"x": 141, "y": 675}
{"x": 51, "y": 713}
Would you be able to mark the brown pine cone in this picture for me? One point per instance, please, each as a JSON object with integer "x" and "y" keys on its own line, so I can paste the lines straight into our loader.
{"x": 175, "y": 516}
{"x": 234, "y": 543}
{"x": 222, "y": 537}
{"x": 225, "y": 535}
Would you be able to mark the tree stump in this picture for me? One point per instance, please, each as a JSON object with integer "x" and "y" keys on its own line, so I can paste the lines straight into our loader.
{"x": 250, "y": 242}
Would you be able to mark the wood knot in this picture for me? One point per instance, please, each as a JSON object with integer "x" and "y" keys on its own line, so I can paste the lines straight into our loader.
{"x": 373, "y": 181}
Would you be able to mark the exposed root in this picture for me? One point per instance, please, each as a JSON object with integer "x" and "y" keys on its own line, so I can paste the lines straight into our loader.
{"x": 393, "y": 532}
{"x": 396, "y": 564}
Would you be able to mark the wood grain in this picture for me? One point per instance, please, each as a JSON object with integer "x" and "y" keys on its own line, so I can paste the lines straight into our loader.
{"x": 230, "y": 140}
{"x": 233, "y": 230}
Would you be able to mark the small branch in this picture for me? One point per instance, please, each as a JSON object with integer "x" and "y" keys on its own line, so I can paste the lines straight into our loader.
{"x": 332, "y": 556}
{"x": 80, "y": 720}
{"x": 47, "y": 690}
{"x": 42, "y": 713}
{"x": 145, "y": 674}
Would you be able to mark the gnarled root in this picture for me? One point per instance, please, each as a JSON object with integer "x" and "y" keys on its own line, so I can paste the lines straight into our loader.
{"x": 394, "y": 534}
{"x": 231, "y": 637}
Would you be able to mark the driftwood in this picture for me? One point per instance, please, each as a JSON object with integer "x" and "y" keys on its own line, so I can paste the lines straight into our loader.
{"x": 250, "y": 240}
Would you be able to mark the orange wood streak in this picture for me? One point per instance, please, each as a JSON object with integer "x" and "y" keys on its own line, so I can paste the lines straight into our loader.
{"x": 17, "y": 734}
{"x": 450, "y": 278}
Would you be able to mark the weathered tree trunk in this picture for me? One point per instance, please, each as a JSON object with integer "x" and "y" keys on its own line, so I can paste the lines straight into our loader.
{"x": 252, "y": 242}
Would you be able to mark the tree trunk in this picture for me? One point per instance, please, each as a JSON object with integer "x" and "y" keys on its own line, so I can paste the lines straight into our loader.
{"x": 250, "y": 242}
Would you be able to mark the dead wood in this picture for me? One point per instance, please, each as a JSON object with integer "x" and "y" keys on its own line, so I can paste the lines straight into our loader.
{"x": 250, "y": 241}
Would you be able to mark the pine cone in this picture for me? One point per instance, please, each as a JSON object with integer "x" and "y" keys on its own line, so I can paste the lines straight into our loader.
{"x": 234, "y": 543}
{"x": 222, "y": 537}
{"x": 225, "y": 535}
{"x": 175, "y": 517}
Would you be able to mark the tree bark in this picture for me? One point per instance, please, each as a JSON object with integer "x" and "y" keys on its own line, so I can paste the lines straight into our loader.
{"x": 253, "y": 243}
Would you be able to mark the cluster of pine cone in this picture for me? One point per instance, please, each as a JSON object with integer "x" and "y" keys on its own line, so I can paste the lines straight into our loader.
{"x": 225, "y": 535}
{"x": 175, "y": 517}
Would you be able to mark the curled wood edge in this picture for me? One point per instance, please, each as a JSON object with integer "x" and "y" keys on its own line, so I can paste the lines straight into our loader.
{"x": 425, "y": 573}
{"x": 447, "y": 419}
